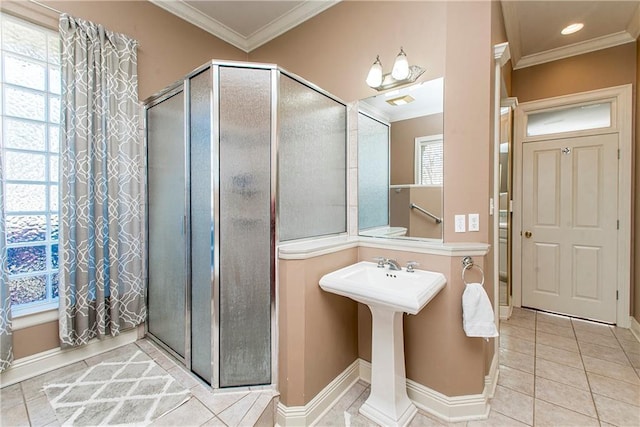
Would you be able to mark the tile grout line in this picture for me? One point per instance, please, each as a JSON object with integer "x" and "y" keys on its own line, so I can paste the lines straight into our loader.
{"x": 535, "y": 366}
{"x": 24, "y": 403}
{"x": 584, "y": 367}
{"x": 626, "y": 355}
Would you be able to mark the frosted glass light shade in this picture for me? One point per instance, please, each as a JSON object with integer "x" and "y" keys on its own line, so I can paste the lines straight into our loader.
{"x": 374, "y": 78}
{"x": 400, "y": 67}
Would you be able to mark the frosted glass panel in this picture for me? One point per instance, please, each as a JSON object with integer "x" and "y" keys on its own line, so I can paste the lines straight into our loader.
{"x": 26, "y": 259}
{"x": 24, "y": 135}
{"x": 373, "y": 173}
{"x": 26, "y": 228}
{"x": 23, "y": 72}
{"x": 167, "y": 239}
{"x": 312, "y": 162}
{"x": 29, "y": 289}
{"x": 25, "y": 197}
{"x": 570, "y": 119}
{"x": 24, "y": 166}
{"x": 24, "y": 40}
{"x": 24, "y": 103}
{"x": 245, "y": 226}
{"x": 202, "y": 242}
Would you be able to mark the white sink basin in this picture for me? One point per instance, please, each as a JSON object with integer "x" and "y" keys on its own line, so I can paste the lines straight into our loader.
{"x": 398, "y": 290}
{"x": 388, "y": 294}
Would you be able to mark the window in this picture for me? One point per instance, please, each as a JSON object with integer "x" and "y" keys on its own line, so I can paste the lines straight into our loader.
{"x": 570, "y": 119}
{"x": 429, "y": 160}
{"x": 30, "y": 86}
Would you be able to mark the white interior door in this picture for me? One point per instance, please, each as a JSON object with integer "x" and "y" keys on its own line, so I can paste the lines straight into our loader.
{"x": 569, "y": 226}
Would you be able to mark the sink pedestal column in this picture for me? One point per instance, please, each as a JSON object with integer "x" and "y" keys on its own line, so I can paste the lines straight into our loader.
{"x": 388, "y": 403}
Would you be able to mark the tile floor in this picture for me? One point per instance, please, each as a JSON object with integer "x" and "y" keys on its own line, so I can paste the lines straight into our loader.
{"x": 25, "y": 404}
{"x": 554, "y": 371}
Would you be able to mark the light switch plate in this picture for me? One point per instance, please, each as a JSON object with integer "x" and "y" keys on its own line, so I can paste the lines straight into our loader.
{"x": 474, "y": 222}
{"x": 460, "y": 221}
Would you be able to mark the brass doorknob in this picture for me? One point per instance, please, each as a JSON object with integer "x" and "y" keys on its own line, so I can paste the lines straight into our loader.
{"x": 527, "y": 234}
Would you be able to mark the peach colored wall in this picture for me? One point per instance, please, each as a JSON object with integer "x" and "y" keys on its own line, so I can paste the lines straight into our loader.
{"x": 169, "y": 48}
{"x": 467, "y": 117}
{"x": 403, "y": 140}
{"x": 438, "y": 354}
{"x": 336, "y": 48}
{"x": 635, "y": 289}
{"x": 318, "y": 331}
{"x": 35, "y": 339}
{"x": 399, "y": 199}
{"x": 429, "y": 198}
{"x": 596, "y": 70}
{"x": 416, "y": 223}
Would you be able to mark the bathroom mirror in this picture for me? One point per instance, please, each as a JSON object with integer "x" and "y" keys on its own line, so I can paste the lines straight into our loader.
{"x": 400, "y": 163}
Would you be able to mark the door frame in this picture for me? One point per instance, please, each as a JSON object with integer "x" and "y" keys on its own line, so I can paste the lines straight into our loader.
{"x": 621, "y": 123}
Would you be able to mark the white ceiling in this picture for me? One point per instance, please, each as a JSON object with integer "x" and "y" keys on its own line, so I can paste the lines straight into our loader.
{"x": 428, "y": 99}
{"x": 245, "y": 24}
{"x": 532, "y": 26}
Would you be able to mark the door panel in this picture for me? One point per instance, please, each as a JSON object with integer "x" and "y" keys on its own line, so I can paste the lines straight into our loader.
{"x": 570, "y": 210}
{"x": 547, "y": 268}
{"x": 167, "y": 233}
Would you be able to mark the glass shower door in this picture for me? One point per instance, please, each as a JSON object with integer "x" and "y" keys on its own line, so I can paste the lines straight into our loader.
{"x": 167, "y": 226}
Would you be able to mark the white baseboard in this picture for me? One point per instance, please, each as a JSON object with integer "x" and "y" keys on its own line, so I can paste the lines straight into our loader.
{"x": 450, "y": 409}
{"x": 634, "y": 327}
{"x": 37, "y": 364}
{"x": 505, "y": 312}
{"x": 310, "y": 413}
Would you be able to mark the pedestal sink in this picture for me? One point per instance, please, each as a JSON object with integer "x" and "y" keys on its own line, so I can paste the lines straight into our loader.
{"x": 388, "y": 294}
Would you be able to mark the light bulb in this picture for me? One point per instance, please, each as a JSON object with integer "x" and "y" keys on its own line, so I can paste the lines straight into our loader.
{"x": 400, "y": 67}
{"x": 573, "y": 28}
{"x": 374, "y": 78}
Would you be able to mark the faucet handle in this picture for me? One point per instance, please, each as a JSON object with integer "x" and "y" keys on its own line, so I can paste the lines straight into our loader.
{"x": 380, "y": 260}
{"x": 411, "y": 265}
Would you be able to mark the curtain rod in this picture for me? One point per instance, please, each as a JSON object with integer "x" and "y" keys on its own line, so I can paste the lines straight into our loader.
{"x": 42, "y": 4}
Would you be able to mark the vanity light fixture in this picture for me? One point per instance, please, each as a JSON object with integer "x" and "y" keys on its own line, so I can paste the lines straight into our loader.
{"x": 572, "y": 28}
{"x": 401, "y": 74}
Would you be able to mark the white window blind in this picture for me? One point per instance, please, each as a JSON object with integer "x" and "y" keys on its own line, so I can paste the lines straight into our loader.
{"x": 429, "y": 160}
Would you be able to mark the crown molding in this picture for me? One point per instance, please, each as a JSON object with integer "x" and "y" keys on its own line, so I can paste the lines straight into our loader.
{"x": 193, "y": 16}
{"x": 634, "y": 25}
{"x": 501, "y": 53}
{"x": 581, "y": 48}
{"x": 286, "y": 22}
{"x": 275, "y": 28}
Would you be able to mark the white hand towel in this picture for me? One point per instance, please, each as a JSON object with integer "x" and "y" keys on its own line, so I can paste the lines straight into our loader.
{"x": 477, "y": 313}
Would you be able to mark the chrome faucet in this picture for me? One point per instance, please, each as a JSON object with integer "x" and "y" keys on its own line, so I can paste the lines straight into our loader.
{"x": 393, "y": 265}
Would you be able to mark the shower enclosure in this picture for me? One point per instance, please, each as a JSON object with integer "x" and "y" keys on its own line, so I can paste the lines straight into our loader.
{"x": 240, "y": 157}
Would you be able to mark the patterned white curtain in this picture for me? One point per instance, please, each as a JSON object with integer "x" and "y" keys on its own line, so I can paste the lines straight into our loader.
{"x": 6, "y": 341}
{"x": 101, "y": 281}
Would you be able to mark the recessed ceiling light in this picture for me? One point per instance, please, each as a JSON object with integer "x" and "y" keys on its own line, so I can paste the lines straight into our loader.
{"x": 401, "y": 100}
{"x": 573, "y": 28}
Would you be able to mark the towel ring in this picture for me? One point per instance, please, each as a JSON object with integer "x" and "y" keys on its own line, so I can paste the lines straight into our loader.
{"x": 467, "y": 264}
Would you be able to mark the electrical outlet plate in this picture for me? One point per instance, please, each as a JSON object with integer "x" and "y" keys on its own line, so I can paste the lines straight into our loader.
{"x": 460, "y": 221}
{"x": 474, "y": 222}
